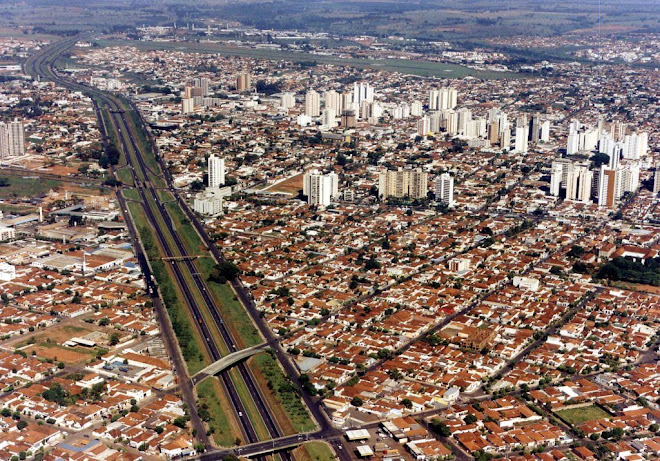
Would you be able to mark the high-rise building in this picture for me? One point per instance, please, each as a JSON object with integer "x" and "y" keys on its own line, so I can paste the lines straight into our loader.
{"x": 333, "y": 101}
{"x": 287, "y": 100}
{"x": 216, "y": 171}
{"x": 578, "y": 184}
{"x": 203, "y": 84}
{"x": 348, "y": 119}
{"x": 615, "y": 183}
{"x": 656, "y": 180}
{"x": 187, "y": 105}
{"x": 423, "y": 126}
{"x": 442, "y": 99}
{"x": 505, "y": 135}
{"x": 521, "y": 139}
{"x": 319, "y": 188}
{"x": 545, "y": 131}
{"x": 312, "y": 104}
{"x": 635, "y": 145}
{"x": 362, "y": 92}
{"x": 535, "y": 129}
{"x": 403, "y": 183}
{"x": 12, "y": 139}
{"x": 243, "y": 82}
{"x": 329, "y": 117}
{"x": 416, "y": 109}
{"x": 444, "y": 189}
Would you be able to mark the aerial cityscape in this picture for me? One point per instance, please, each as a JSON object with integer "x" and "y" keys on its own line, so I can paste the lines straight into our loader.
{"x": 329, "y": 229}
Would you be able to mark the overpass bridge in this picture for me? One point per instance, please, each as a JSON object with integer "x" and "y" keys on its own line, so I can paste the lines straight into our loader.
{"x": 226, "y": 362}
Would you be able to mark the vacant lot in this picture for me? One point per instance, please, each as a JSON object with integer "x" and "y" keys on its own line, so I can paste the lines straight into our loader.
{"x": 288, "y": 186}
{"x": 577, "y": 416}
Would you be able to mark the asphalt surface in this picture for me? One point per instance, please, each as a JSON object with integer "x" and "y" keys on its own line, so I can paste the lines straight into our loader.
{"x": 41, "y": 65}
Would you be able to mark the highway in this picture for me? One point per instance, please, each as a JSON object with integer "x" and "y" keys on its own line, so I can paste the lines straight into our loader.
{"x": 184, "y": 270}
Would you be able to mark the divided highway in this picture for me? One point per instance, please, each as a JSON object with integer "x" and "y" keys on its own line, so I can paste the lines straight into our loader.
{"x": 184, "y": 270}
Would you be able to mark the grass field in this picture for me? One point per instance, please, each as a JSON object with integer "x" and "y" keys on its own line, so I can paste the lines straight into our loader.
{"x": 577, "y": 416}
{"x": 220, "y": 425}
{"x": 314, "y": 451}
{"x": 22, "y": 187}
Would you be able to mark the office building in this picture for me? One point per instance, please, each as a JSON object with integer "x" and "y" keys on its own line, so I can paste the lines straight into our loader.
{"x": 444, "y": 189}
{"x": 216, "y": 171}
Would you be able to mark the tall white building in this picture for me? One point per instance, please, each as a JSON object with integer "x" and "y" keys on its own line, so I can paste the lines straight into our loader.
{"x": 521, "y": 139}
{"x": 312, "y": 104}
{"x": 635, "y": 145}
{"x": 362, "y": 92}
{"x": 578, "y": 184}
{"x": 319, "y": 188}
{"x": 12, "y": 139}
{"x": 545, "y": 131}
{"x": 442, "y": 99}
{"x": 444, "y": 189}
{"x": 216, "y": 171}
{"x": 333, "y": 100}
{"x": 416, "y": 109}
{"x": 287, "y": 100}
{"x": 656, "y": 181}
{"x": 329, "y": 117}
{"x": 423, "y": 126}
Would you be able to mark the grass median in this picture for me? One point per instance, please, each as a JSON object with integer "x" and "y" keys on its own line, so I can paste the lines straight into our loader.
{"x": 189, "y": 341}
{"x": 224, "y": 430}
{"x": 283, "y": 395}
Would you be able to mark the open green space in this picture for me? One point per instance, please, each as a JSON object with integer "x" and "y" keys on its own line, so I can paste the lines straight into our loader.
{"x": 26, "y": 187}
{"x": 577, "y": 416}
{"x": 208, "y": 392}
{"x": 318, "y": 451}
{"x": 405, "y": 66}
{"x": 285, "y": 391}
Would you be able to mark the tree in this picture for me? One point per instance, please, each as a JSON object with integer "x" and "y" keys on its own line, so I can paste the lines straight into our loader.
{"x": 356, "y": 401}
{"x": 181, "y": 422}
{"x": 223, "y": 272}
{"x": 407, "y": 403}
{"x": 114, "y": 339}
{"x": 21, "y": 425}
{"x": 470, "y": 419}
{"x": 439, "y": 427}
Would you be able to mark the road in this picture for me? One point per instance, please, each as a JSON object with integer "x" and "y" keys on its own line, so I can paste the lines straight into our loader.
{"x": 41, "y": 65}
